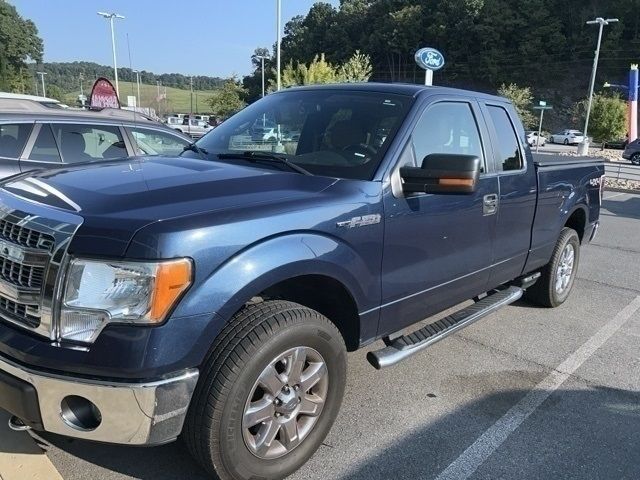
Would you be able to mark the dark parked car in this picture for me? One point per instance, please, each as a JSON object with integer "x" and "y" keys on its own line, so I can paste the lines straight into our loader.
{"x": 619, "y": 144}
{"x": 215, "y": 296}
{"x": 33, "y": 136}
{"x": 632, "y": 152}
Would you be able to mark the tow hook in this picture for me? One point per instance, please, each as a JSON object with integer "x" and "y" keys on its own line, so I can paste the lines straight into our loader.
{"x": 16, "y": 424}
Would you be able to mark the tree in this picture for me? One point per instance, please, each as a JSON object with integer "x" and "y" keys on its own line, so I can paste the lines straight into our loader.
{"x": 54, "y": 91}
{"x": 318, "y": 71}
{"x": 608, "y": 119}
{"x": 19, "y": 42}
{"x": 228, "y": 99}
{"x": 356, "y": 69}
{"x": 522, "y": 98}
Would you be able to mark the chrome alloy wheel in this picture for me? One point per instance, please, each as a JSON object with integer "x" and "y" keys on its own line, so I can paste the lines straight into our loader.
{"x": 565, "y": 268}
{"x": 285, "y": 403}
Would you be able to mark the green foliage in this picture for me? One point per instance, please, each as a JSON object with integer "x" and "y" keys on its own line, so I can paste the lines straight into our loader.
{"x": 356, "y": 69}
{"x": 608, "y": 119}
{"x": 522, "y": 98}
{"x": 228, "y": 99}
{"x": 54, "y": 91}
{"x": 19, "y": 42}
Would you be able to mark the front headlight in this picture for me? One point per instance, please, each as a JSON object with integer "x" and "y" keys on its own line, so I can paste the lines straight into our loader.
{"x": 98, "y": 293}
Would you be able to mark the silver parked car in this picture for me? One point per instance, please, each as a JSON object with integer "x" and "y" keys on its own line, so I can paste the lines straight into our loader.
{"x": 191, "y": 126}
{"x": 33, "y": 136}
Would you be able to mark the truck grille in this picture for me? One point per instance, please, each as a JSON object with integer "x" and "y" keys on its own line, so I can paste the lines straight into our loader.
{"x": 22, "y": 275}
{"x": 33, "y": 242}
{"x": 24, "y": 236}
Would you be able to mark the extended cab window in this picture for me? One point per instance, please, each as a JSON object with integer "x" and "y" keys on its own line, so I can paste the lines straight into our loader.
{"x": 45, "y": 148}
{"x": 84, "y": 143}
{"x": 447, "y": 127}
{"x": 12, "y": 139}
{"x": 335, "y": 133}
{"x": 507, "y": 149}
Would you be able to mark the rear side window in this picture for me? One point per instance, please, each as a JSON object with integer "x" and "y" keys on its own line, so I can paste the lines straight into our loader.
{"x": 86, "y": 143}
{"x": 45, "y": 148}
{"x": 12, "y": 139}
{"x": 152, "y": 142}
{"x": 507, "y": 149}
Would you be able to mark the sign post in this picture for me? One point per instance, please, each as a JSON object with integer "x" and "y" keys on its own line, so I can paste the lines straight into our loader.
{"x": 542, "y": 106}
{"x": 430, "y": 60}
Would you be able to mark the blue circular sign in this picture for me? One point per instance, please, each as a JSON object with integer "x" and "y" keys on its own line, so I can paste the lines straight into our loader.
{"x": 429, "y": 59}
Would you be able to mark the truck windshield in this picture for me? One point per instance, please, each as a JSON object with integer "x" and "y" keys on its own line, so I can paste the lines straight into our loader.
{"x": 336, "y": 133}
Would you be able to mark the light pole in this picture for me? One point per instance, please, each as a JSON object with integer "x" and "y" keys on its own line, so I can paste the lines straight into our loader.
{"x": 279, "y": 41}
{"x": 111, "y": 16}
{"x": 42, "y": 74}
{"x": 262, "y": 57}
{"x": 138, "y": 100}
{"x": 583, "y": 148}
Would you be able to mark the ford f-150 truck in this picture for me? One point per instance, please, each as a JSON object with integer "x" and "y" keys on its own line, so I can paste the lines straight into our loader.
{"x": 214, "y": 296}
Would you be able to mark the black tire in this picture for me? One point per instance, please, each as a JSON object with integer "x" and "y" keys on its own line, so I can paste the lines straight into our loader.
{"x": 544, "y": 291}
{"x": 552, "y": 140}
{"x": 255, "y": 336}
{"x": 566, "y": 141}
{"x": 635, "y": 159}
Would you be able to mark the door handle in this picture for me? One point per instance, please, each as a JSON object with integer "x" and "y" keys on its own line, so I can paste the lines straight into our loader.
{"x": 490, "y": 204}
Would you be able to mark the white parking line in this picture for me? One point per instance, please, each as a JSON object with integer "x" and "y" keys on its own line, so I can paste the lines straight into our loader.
{"x": 21, "y": 458}
{"x": 474, "y": 456}
{"x": 616, "y": 195}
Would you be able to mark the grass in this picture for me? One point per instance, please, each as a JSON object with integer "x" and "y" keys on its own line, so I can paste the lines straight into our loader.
{"x": 178, "y": 100}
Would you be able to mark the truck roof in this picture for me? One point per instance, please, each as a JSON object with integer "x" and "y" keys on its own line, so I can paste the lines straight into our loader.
{"x": 409, "y": 89}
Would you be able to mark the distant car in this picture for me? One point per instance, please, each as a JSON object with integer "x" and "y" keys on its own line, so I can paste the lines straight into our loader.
{"x": 44, "y": 101}
{"x": 192, "y": 127}
{"x": 533, "y": 140}
{"x": 567, "y": 137}
{"x": 632, "y": 152}
{"x": 34, "y": 136}
{"x": 619, "y": 144}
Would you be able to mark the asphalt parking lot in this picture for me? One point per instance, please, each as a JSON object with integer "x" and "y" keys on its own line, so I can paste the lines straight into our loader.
{"x": 527, "y": 393}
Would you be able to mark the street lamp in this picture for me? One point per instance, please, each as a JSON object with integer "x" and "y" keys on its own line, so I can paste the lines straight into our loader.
{"x": 262, "y": 57}
{"x": 111, "y": 16}
{"x": 583, "y": 148}
{"x": 42, "y": 74}
{"x": 279, "y": 41}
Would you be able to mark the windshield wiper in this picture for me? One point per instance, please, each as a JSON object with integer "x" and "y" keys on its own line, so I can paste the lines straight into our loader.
{"x": 265, "y": 157}
{"x": 195, "y": 148}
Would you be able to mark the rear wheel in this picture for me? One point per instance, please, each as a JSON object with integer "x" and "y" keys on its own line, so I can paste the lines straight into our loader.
{"x": 552, "y": 140}
{"x": 566, "y": 141}
{"x": 558, "y": 276}
{"x": 635, "y": 159}
{"x": 269, "y": 392}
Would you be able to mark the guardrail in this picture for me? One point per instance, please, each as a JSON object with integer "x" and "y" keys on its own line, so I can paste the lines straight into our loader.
{"x": 621, "y": 171}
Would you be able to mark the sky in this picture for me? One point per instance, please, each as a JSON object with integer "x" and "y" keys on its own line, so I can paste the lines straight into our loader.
{"x": 192, "y": 37}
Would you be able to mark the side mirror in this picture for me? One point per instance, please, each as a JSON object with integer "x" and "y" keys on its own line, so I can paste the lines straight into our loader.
{"x": 442, "y": 173}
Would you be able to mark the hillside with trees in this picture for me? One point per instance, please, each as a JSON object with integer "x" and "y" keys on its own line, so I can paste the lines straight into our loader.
{"x": 541, "y": 44}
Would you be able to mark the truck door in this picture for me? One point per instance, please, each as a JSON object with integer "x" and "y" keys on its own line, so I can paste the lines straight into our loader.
{"x": 437, "y": 248}
{"x": 518, "y": 192}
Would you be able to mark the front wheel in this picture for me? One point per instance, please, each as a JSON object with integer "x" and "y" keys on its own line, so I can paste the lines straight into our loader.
{"x": 566, "y": 141}
{"x": 635, "y": 159}
{"x": 555, "y": 283}
{"x": 269, "y": 392}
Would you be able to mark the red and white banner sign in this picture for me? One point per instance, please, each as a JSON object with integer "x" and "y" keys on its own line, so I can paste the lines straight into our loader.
{"x": 103, "y": 95}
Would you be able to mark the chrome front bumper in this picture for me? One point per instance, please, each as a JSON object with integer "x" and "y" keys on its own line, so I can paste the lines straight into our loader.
{"x": 130, "y": 413}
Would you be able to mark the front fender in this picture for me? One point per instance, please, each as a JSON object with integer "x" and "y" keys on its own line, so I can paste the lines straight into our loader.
{"x": 272, "y": 260}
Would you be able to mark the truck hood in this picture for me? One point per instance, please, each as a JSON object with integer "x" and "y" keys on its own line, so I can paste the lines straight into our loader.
{"x": 116, "y": 199}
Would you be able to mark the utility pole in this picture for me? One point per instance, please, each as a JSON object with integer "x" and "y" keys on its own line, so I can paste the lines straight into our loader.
{"x": 262, "y": 57}
{"x": 42, "y": 74}
{"x": 139, "y": 99}
{"x": 111, "y": 16}
{"x": 279, "y": 41}
{"x": 583, "y": 148}
{"x": 191, "y": 109}
{"x": 542, "y": 106}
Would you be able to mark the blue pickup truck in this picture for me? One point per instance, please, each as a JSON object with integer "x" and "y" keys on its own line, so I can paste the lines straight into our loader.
{"x": 214, "y": 296}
